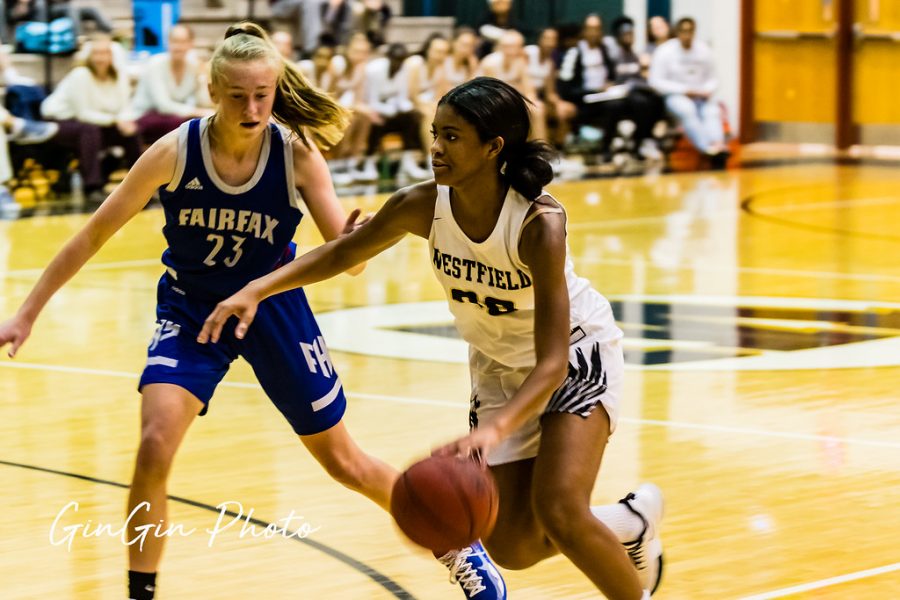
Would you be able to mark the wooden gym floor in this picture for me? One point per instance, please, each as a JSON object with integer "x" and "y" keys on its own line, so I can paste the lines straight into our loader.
{"x": 762, "y": 316}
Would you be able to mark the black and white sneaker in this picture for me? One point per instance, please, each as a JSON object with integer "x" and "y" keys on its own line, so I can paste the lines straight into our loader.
{"x": 646, "y": 551}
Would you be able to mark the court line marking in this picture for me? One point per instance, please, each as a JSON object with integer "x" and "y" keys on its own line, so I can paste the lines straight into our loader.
{"x": 99, "y": 266}
{"x": 733, "y": 211}
{"x": 811, "y": 437}
{"x": 155, "y": 262}
{"x": 753, "y": 270}
{"x": 378, "y": 577}
{"x": 748, "y": 205}
{"x": 815, "y": 585}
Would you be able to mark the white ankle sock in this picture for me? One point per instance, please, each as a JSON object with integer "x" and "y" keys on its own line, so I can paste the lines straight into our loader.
{"x": 625, "y": 524}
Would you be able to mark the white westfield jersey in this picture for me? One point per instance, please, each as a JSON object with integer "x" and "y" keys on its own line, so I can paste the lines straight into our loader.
{"x": 490, "y": 289}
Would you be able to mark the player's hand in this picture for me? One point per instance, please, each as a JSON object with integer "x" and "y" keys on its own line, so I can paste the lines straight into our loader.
{"x": 477, "y": 445}
{"x": 242, "y": 304}
{"x": 14, "y": 332}
{"x": 352, "y": 224}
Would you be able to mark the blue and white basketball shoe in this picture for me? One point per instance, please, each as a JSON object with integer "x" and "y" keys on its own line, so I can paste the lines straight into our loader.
{"x": 476, "y": 574}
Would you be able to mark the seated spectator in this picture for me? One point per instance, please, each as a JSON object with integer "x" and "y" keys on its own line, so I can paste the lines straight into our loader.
{"x": 682, "y": 71}
{"x": 23, "y": 95}
{"x": 658, "y": 32}
{"x": 18, "y": 11}
{"x": 166, "y": 94}
{"x": 91, "y": 106}
{"x": 645, "y": 105}
{"x": 20, "y": 131}
{"x": 373, "y": 20}
{"x": 304, "y": 17}
{"x": 348, "y": 86}
{"x": 462, "y": 64}
{"x": 509, "y": 64}
{"x": 498, "y": 19}
{"x": 585, "y": 73}
{"x": 426, "y": 78}
{"x": 284, "y": 43}
{"x": 318, "y": 69}
{"x": 9, "y": 208}
{"x": 343, "y": 18}
{"x": 393, "y": 112}
{"x": 203, "y": 56}
{"x": 542, "y": 60}
{"x": 26, "y": 131}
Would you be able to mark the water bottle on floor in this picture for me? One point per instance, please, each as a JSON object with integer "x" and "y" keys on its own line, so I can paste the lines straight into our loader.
{"x": 76, "y": 184}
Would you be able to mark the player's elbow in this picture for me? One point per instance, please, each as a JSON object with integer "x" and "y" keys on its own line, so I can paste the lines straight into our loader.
{"x": 555, "y": 370}
{"x": 356, "y": 269}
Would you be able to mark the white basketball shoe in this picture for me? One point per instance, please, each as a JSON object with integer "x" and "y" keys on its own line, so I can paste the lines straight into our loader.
{"x": 646, "y": 551}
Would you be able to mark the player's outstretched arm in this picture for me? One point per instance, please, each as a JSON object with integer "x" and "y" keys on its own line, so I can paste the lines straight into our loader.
{"x": 410, "y": 210}
{"x": 153, "y": 169}
{"x": 313, "y": 180}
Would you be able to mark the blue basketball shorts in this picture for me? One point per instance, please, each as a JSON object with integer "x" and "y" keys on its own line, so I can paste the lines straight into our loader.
{"x": 283, "y": 345}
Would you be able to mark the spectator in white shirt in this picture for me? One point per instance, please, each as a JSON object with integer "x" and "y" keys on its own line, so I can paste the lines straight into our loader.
{"x": 348, "y": 87}
{"x": 318, "y": 69}
{"x": 462, "y": 64}
{"x": 682, "y": 71}
{"x": 658, "y": 33}
{"x": 284, "y": 43}
{"x": 387, "y": 97}
{"x": 92, "y": 106}
{"x": 510, "y": 64}
{"x": 542, "y": 71}
{"x": 167, "y": 93}
{"x": 427, "y": 80}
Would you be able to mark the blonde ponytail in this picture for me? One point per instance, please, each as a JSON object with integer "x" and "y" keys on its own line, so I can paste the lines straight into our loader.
{"x": 298, "y": 105}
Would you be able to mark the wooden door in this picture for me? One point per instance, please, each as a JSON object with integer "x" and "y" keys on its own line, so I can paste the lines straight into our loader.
{"x": 876, "y": 59}
{"x": 795, "y": 70}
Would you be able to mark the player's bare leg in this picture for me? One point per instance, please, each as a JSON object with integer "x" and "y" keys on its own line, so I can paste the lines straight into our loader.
{"x": 564, "y": 474}
{"x": 347, "y": 464}
{"x": 166, "y": 413}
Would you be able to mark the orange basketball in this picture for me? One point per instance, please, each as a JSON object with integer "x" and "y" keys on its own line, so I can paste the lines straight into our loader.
{"x": 445, "y": 503}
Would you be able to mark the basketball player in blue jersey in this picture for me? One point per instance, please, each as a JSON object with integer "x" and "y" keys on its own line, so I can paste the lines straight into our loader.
{"x": 545, "y": 352}
{"x": 229, "y": 188}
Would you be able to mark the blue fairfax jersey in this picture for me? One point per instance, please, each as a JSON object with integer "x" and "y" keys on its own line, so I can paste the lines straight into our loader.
{"x": 221, "y": 237}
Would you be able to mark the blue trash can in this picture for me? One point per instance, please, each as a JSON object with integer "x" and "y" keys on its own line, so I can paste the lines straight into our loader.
{"x": 153, "y": 19}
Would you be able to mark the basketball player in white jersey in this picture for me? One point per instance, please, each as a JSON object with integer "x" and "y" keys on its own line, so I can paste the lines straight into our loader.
{"x": 545, "y": 355}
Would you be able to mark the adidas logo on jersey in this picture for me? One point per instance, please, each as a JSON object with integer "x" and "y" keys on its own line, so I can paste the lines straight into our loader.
{"x": 194, "y": 184}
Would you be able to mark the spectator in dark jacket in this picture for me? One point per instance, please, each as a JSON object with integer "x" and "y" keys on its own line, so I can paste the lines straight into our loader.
{"x": 645, "y": 106}
{"x": 343, "y": 18}
{"x": 585, "y": 77}
{"x": 494, "y": 24}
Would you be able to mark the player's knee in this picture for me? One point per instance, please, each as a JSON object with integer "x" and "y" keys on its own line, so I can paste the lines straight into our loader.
{"x": 517, "y": 544}
{"x": 511, "y": 555}
{"x": 558, "y": 515}
{"x": 154, "y": 457}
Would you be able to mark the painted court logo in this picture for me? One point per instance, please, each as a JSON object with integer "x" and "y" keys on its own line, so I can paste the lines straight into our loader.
{"x": 664, "y": 332}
